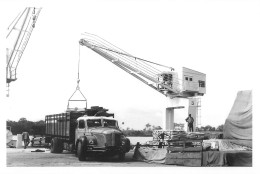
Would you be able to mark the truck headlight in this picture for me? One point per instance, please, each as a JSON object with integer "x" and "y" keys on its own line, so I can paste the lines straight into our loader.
{"x": 91, "y": 141}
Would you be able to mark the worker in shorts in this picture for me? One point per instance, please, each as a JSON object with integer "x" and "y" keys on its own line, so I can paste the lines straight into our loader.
{"x": 190, "y": 121}
{"x": 26, "y": 139}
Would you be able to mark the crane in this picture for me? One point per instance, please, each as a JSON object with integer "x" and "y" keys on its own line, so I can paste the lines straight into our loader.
{"x": 186, "y": 83}
{"x": 19, "y": 33}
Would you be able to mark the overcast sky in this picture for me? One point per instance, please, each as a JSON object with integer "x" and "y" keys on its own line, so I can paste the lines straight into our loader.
{"x": 218, "y": 38}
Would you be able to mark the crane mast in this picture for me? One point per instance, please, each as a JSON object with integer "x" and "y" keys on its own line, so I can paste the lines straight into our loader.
{"x": 19, "y": 33}
{"x": 164, "y": 79}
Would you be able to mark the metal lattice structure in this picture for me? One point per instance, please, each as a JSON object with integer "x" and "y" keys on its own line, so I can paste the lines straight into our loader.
{"x": 19, "y": 33}
{"x": 163, "y": 79}
{"x": 150, "y": 73}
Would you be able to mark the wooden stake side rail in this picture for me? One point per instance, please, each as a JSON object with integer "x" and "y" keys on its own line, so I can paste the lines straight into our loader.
{"x": 184, "y": 149}
{"x": 184, "y": 155}
{"x": 172, "y": 146}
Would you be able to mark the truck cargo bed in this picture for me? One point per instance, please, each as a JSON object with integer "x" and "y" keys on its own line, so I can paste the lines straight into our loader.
{"x": 61, "y": 125}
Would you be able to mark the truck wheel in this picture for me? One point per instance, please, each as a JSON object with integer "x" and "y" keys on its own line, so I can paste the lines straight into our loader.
{"x": 56, "y": 145}
{"x": 76, "y": 150}
{"x": 81, "y": 152}
{"x": 121, "y": 156}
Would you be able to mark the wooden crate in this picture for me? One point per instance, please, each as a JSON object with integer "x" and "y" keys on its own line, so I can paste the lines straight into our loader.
{"x": 184, "y": 149}
{"x": 181, "y": 153}
{"x": 193, "y": 159}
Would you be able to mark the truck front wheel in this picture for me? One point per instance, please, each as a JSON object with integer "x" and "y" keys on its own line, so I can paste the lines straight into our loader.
{"x": 81, "y": 152}
{"x": 56, "y": 145}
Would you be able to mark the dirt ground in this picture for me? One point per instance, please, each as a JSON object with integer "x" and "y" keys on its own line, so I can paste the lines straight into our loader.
{"x": 27, "y": 158}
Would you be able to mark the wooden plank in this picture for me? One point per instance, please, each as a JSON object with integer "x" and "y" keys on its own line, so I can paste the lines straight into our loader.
{"x": 196, "y": 155}
{"x": 187, "y": 149}
{"x": 184, "y": 141}
{"x": 183, "y": 162}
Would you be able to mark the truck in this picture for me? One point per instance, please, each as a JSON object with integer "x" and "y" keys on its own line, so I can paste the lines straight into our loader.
{"x": 88, "y": 132}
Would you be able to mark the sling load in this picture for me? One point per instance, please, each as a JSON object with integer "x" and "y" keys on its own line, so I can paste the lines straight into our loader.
{"x": 77, "y": 96}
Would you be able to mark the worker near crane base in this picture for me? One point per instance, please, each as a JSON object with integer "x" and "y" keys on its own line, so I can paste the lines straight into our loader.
{"x": 26, "y": 139}
{"x": 161, "y": 139}
{"x": 190, "y": 121}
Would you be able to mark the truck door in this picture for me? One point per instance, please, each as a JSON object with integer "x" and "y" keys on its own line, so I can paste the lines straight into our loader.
{"x": 81, "y": 129}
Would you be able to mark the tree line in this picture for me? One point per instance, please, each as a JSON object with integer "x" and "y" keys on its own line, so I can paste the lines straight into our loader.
{"x": 38, "y": 128}
{"x": 148, "y": 130}
{"x": 23, "y": 125}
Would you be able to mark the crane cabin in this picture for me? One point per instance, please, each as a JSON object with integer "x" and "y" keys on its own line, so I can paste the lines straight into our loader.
{"x": 184, "y": 83}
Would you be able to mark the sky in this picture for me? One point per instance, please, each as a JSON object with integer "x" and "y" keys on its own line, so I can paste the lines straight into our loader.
{"x": 218, "y": 38}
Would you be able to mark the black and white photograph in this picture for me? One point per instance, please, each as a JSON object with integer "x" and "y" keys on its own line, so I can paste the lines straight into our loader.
{"x": 129, "y": 85}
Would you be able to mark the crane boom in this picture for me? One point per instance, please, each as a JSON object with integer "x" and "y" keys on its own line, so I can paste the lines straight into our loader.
{"x": 20, "y": 29}
{"x": 147, "y": 72}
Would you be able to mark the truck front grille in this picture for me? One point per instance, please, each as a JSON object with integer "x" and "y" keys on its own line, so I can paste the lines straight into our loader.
{"x": 116, "y": 139}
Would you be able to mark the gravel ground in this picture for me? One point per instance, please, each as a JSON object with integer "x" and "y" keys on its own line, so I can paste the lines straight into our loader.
{"x": 27, "y": 158}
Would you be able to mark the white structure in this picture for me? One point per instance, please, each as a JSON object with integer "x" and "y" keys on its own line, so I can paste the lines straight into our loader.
{"x": 19, "y": 142}
{"x": 191, "y": 84}
{"x": 179, "y": 86}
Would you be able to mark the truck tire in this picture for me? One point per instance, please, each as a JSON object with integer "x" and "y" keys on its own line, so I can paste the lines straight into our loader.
{"x": 81, "y": 151}
{"x": 76, "y": 150}
{"x": 121, "y": 156}
{"x": 56, "y": 145}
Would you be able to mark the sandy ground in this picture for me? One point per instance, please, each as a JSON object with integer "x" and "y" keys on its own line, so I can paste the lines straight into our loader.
{"x": 27, "y": 158}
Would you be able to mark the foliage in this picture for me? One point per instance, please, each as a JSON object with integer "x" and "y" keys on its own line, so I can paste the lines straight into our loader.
{"x": 146, "y": 132}
{"x": 220, "y": 128}
{"x": 208, "y": 128}
{"x": 38, "y": 128}
{"x": 23, "y": 125}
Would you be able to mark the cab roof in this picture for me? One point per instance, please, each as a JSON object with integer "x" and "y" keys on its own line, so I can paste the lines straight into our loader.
{"x": 86, "y": 117}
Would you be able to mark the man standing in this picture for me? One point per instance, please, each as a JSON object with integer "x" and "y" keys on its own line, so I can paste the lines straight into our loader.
{"x": 161, "y": 139}
{"x": 26, "y": 139}
{"x": 190, "y": 121}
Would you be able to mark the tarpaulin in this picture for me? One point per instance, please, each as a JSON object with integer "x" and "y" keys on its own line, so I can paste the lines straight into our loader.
{"x": 229, "y": 145}
{"x": 227, "y": 158}
{"x": 238, "y": 124}
{"x": 150, "y": 155}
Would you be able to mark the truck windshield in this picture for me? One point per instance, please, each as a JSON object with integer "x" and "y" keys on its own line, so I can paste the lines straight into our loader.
{"x": 94, "y": 123}
{"x": 109, "y": 123}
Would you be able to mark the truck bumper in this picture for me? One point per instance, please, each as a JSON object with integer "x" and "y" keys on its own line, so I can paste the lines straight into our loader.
{"x": 111, "y": 149}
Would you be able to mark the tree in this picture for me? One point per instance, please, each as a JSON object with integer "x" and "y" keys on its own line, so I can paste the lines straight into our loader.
{"x": 157, "y": 127}
{"x": 147, "y": 126}
{"x": 220, "y": 128}
{"x": 22, "y": 119}
{"x": 209, "y": 128}
{"x": 33, "y": 128}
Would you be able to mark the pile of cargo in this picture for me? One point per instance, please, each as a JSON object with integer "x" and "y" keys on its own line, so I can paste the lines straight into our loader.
{"x": 162, "y": 135}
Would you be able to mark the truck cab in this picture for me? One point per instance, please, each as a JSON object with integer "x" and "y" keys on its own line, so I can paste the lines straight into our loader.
{"x": 99, "y": 135}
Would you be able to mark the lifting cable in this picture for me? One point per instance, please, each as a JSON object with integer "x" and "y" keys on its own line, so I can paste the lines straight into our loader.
{"x": 77, "y": 88}
{"x": 128, "y": 55}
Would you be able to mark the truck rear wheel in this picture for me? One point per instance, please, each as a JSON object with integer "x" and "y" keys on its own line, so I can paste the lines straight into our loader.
{"x": 81, "y": 152}
{"x": 121, "y": 156}
{"x": 56, "y": 145}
